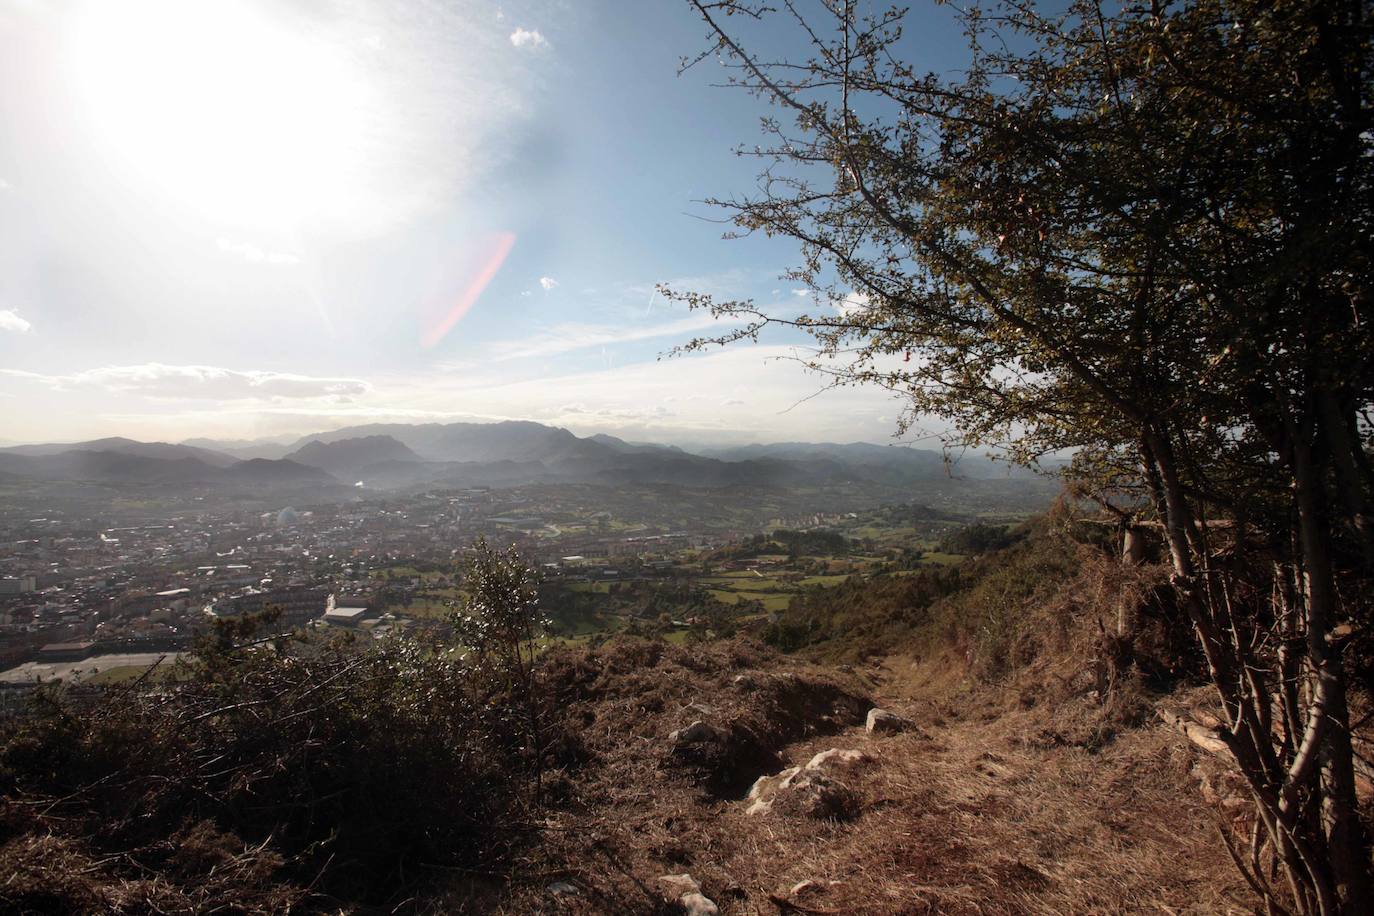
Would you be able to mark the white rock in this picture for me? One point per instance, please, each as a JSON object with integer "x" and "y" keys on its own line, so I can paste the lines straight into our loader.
{"x": 559, "y": 888}
{"x": 838, "y": 759}
{"x": 882, "y": 721}
{"x": 809, "y": 792}
{"x": 697, "y": 905}
{"x": 765, "y": 788}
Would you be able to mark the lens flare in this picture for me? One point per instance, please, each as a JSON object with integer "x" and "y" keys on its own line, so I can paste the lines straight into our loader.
{"x": 491, "y": 263}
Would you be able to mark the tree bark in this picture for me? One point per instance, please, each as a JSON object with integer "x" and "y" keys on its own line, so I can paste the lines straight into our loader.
{"x": 1347, "y": 845}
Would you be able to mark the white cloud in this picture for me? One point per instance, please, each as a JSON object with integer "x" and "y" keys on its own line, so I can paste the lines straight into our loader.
{"x": 10, "y": 321}
{"x": 801, "y": 293}
{"x": 256, "y": 255}
{"x": 5, "y": 186}
{"x": 852, "y": 304}
{"x": 642, "y": 400}
{"x": 566, "y": 338}
{"x": 634, "y": 399}
{"x": 528, "y": 38}
{"x": 156, "y": 380}
{"x": 548, "y": 283}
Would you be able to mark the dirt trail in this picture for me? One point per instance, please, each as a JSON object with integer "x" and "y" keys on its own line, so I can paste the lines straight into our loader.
{"x": 981, "y": 812}
{"x": 984, "y": 814}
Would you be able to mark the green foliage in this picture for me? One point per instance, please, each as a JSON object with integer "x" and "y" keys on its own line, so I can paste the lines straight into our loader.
{"x": 981, "y": 607}
{"x": 819, "y": 542}
{"x": 499, "y": 622}
{"x": 977, "y": 538}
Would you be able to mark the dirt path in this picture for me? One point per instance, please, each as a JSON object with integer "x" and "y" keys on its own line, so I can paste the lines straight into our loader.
{"x": 983, "y": 813}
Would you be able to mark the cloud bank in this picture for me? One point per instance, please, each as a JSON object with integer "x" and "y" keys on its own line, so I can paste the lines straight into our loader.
{"x": 10, "y": 321}
{"x": 158, "y": 380}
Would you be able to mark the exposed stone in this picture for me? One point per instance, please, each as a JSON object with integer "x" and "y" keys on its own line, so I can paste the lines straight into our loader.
{"x": 805, "y": 792}
{"x": 762, "y": 792}
{"x": 689, "y": 895}
{"x": 560, "y": 888}
{"x": 696, "y": 733}
{"x": 697, "y": 905}
{"x": 837, "y": 759}
{"x": 881, "y": 721}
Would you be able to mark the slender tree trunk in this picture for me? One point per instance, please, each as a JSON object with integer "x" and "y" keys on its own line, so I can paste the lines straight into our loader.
{"x": 1347, "y": 846}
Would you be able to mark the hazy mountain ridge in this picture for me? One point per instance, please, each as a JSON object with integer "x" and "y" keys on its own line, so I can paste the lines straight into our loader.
{"x": 124, "y": 468}
{"x": 351, "y": 455}
{"x": 396, "y": 456}
{"x": 897, "y": 460}
{"x": 123, "y": 446}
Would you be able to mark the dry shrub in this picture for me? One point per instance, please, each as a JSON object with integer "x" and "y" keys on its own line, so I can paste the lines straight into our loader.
{"x": 635, "y": 689}
{"x": 333, "y": 766}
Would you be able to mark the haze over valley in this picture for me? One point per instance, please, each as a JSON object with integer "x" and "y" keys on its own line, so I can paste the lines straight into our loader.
{"x": 692, "y": 457}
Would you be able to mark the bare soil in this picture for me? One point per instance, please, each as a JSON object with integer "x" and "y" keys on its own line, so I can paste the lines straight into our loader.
{"x": 995, "y": 802}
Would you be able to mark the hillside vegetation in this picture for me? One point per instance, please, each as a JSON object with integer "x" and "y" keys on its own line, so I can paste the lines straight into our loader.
{"x": 1029, "y": 771}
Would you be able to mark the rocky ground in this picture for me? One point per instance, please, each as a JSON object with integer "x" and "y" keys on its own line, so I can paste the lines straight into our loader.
{"x": 729, "y": 780}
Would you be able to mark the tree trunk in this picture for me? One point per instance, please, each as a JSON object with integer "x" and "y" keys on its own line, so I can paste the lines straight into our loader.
{"x": 1347, "y": 846}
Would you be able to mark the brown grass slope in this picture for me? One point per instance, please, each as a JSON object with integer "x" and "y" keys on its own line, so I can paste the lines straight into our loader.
{"x": 982, "y": 808}
{"x": 1036, "y": 776}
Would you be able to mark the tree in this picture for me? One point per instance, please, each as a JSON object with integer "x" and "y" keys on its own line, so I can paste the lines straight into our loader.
{"x": 499, "y": 622}
{"x": 1141, "y": 235}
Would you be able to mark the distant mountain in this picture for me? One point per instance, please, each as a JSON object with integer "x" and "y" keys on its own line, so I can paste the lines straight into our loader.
{"x": 889, "y": 463}
{"x": 267, "y": 472}
{"x": 116, "y": 468}
{"x": 397, "y": 456}
{"x": 620, "y": 445}
{"x": 122, "y": 446}
{"x": 107, "y": 467}
{"x": 506, "y": 441}
{"x": 242, "y": 449}
{"x": 352, "y": 455}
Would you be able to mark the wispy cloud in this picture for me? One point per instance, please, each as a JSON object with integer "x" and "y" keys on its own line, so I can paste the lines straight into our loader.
{"x": 528, "y": 38}
{"x": 567, "y": 338}
{"x": 548, "y": 283}
{"x": 157, "y": 380}
{"x": 853, "y": 304}
{"x": 10, "y": 321}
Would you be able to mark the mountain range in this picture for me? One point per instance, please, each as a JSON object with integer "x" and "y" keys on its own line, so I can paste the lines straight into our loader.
{"x": 393, "y": 456}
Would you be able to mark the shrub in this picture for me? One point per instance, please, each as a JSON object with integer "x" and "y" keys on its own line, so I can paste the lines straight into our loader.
{"x": 342, "y": 761}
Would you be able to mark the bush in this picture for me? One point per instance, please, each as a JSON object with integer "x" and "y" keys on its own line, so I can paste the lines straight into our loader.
{"x": 341, "y": 761}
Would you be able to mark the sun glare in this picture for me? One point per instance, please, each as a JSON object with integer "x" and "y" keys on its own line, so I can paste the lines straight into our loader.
{"x": 225, "y": 111}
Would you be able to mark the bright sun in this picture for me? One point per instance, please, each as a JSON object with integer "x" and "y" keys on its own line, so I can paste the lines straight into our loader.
{"x": 225, "y": 111}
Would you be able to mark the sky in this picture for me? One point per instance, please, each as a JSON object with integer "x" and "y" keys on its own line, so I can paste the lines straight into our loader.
{"x": 241, "y": 219}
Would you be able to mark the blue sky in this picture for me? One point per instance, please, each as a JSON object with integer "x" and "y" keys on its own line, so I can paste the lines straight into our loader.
{"x": 237, "y": 219}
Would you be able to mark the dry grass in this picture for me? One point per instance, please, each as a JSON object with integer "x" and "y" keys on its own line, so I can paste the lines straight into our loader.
{"x": 1053, "y": 790}
{"x": 199, "y": 870}
{"x": 973, "y": 812}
